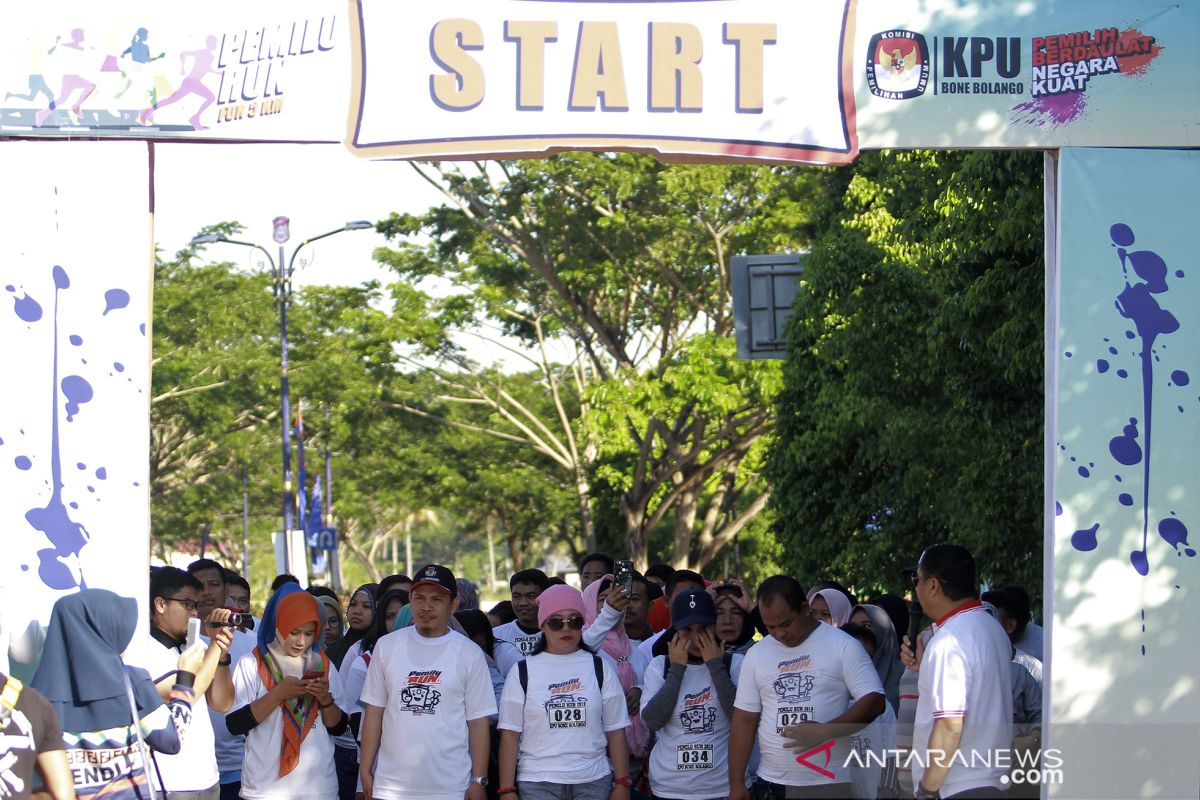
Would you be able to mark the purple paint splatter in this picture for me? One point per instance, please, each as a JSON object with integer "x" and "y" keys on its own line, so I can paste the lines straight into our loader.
{"x": 1085, "y": 540}
{"x": 1052, "y": 110}
{"x": 1136, "y": 303}
{"x": 59, "y": 566}
{"x": 22, "y": 462}
{"x": 1180, "y": 378}
{"x": 1124, "y": 448}
{"x": 1101, "y": 365}
{"x": 1125, "y": 499}
{"x": 114, "y": 299}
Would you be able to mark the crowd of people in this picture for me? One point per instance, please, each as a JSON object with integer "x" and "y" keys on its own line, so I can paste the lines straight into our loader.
{"x": 663, "y": 685}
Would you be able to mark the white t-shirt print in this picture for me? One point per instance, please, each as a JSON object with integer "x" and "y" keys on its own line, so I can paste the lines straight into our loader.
{"x": 565, "y": 719}
{"x": 691, "y": 752}
{"x": 814, "y": 682}
{"x": 428, "y": 688}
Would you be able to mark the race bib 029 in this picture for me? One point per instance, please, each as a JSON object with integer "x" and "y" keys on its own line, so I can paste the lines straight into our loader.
{"x": 793, "y": 715}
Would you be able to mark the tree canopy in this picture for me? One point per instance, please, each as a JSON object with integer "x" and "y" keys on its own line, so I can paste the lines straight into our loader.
{"x": 911, "y": 411}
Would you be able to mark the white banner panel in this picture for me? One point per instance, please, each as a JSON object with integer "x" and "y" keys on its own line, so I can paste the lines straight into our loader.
{"x": 75, "y": 267}
{"x": 763, "y": 78}
{"x": 695, "y": 80}
{"x": 225, "y": 70}
{"x": 1125, "y": 638}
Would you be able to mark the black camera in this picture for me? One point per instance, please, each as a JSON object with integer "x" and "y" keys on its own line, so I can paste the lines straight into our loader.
{"x": 237, "y": 620}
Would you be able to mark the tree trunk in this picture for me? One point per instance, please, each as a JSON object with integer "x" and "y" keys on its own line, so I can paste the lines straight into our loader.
{"x": 634, "y": 511}
{"x": 685, "y": 519}
{"x": 583, "y": 491}
{"x": 352, "y": 546}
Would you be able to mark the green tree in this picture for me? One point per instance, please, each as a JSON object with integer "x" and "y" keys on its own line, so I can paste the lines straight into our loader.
{"x": 627, "y": 258}
{"x": 912, "y": 404}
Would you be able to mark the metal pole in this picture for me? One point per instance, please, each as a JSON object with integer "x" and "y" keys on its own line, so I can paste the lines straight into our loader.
{"x": 245, "y": 525}
{"x": 327, "y": 511}
{"x": 289, "y": 501}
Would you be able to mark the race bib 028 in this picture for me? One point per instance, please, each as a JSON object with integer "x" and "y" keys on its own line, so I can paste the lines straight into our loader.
{"x": 567, "y": 713}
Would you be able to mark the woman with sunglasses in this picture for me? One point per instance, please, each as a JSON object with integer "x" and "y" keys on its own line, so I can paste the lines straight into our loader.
{"x": 563, "y": 714}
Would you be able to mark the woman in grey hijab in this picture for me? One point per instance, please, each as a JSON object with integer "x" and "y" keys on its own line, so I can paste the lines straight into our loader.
{"x": 887, "y": 651}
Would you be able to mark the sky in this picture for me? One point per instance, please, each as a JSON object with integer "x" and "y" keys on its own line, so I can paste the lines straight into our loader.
{"x": 318, "y": 187}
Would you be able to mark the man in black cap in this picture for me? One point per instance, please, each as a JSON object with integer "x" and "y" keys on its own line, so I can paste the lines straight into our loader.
{"x": 427, "y": 697}
{"x": 965, "y": 700}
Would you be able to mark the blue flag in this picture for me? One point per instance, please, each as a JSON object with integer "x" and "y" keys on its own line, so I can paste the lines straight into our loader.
{"x": 313, "y": 523}
{"x": 302, "y": 483}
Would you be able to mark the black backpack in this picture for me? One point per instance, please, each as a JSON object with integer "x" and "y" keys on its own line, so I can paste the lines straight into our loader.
{"x": 523, "y": 673}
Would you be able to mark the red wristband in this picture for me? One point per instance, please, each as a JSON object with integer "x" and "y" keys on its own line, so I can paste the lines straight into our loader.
{"x": 506, "y": 790}
{"x": 626, "y": 782}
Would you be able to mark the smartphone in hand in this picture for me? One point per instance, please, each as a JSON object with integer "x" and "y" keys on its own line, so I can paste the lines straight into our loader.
{"x": 314, "y": 674}
{"x": 623, "y": 574}
{"x": 193, "y": 632}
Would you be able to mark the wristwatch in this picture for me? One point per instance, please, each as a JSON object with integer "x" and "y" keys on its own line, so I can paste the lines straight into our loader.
{"x": 926, "y": 794}
{"x": 481, "y": 780}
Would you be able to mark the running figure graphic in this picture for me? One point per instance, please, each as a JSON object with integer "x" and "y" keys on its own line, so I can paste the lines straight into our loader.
{"x": 193, "y": 83}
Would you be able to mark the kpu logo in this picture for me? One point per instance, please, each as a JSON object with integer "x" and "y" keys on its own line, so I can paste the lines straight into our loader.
{"x": 897, "y": 65}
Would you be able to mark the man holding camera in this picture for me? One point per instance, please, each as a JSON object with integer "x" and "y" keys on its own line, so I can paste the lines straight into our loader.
{"x": 175, "y": 595}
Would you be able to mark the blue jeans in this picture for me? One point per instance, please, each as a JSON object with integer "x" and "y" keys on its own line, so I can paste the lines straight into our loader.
{"x": 541, "y": 790}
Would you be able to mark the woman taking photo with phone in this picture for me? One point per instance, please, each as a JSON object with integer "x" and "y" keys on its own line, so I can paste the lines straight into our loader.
{"x": 287, "y": 700}
{"x": 563, "y": 714}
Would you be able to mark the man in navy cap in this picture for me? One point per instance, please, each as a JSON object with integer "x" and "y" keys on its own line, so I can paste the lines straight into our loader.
{"x": 427, "y": 697}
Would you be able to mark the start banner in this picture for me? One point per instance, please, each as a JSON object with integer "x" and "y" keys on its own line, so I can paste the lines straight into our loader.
{"x": 695, "y": 80}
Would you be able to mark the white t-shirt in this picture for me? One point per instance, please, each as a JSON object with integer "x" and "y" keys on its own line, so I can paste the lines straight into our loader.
{"x": 565, "y": 719}
{"x": 314, "y": 776}
{"x": 231, "y": 749}
{"x": 428, "y": 688}
{"x": 522, "y": 645}
{"x": 966, "y": 673}
{"x": 193, "y": 768}
{"x": 816, "y": 681}
{"x": 647, "y": 647}
{"x": 346, "y": 739}
{"x": 878, "y": 738}
{"x": 691, "y": 752}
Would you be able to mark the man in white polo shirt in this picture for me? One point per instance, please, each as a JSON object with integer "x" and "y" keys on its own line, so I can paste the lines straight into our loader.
{"x": 963, "y": 727}
{"x": 802, "y": 691}
{"x": 427, "y": 700}
{"x": 174, "y": 595}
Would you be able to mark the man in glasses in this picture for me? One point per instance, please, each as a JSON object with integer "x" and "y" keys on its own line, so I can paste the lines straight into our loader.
{"x": 174, "y": 598}
{"x": 965, "y": 695}
{"x": 427, "y": 697}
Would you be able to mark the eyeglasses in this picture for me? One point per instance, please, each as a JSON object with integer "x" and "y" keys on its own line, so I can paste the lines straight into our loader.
{"x": 917, "y": 579}
{"x": 190, "y": 605}
{"x": 558, "y": 623}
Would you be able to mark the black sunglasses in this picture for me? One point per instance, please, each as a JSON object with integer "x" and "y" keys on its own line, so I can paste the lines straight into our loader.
{"x": 557, "y": 623}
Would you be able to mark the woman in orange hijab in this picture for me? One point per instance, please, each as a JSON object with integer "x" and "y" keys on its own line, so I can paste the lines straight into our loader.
{"x": 280, "y": 691}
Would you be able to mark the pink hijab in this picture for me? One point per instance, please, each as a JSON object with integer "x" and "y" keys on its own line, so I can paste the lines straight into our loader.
{"x": 617, "y": 645}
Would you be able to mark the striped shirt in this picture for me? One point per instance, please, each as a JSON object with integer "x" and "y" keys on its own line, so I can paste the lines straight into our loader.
{"x": 109, "y": 764}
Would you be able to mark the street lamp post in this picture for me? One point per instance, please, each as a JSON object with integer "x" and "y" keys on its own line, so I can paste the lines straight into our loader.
{"x": 281, "y": 280}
